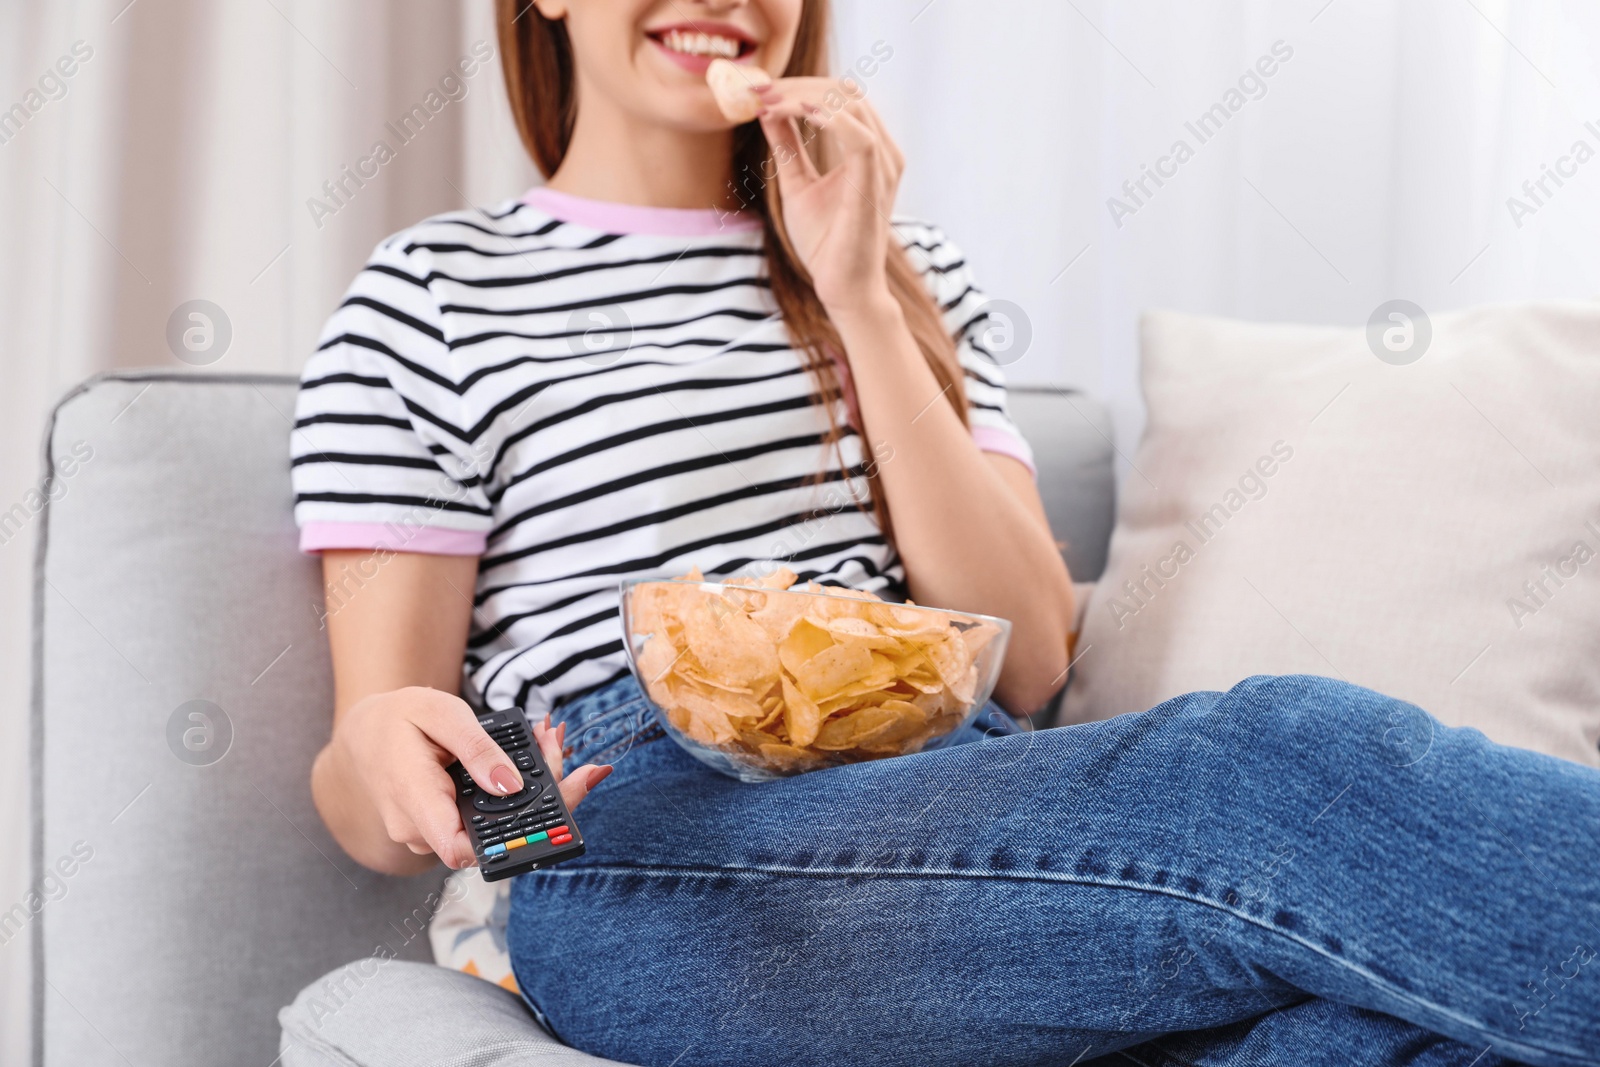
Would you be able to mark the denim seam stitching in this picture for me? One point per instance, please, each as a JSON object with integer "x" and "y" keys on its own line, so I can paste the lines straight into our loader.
{"x": 1062, "y": 879}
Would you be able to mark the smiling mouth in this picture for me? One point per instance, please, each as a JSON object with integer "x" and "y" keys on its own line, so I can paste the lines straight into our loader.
{"x": 702, "y": 44}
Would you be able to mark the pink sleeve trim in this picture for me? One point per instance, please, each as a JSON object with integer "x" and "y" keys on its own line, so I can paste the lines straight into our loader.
{"x": 1002, "y": 442}
{"x": 397, "y": 537}
{"x": 987, "y": 438}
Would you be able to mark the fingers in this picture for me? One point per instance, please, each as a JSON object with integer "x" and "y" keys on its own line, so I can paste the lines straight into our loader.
{"x": 576, "y": 786}
{"x": 452, "y": 725}
{"x": 550, "y": 742}
{"x": 894, "y": 161}
{"x": 854, "y": 135}
{"x": 789, "y": 157}
{"x": 859, "y": 160}
{"x": 826, "y": 95}
{"x": 839, "y": 109}
{"x": 425, "y": 819}
{"x": 439, "y": 822}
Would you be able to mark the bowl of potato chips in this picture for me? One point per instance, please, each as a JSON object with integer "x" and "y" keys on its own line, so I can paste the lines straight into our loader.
{"x": 762, "y": 679}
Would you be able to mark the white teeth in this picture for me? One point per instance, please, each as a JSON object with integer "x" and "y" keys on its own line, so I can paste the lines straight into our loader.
{"x": 701, "y": 44}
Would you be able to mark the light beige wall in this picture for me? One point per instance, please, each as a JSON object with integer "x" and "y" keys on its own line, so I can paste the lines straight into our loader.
{"x": 177, "y": 166}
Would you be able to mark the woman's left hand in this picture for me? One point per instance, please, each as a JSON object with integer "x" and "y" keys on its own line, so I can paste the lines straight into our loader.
{"x": 838, "y": 221}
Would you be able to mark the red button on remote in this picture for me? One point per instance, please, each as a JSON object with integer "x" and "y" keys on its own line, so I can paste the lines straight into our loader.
{"x": 563, "y": 839}
{"x": 557, "y": 831}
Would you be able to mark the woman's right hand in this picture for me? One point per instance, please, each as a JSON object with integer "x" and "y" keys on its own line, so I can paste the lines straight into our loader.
{"x": 394, "y": 747}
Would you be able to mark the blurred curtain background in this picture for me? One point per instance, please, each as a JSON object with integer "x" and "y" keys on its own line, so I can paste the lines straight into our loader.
{"x": 178, "y": 159}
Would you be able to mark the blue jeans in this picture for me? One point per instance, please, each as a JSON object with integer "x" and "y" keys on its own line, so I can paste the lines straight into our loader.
{"x": 1296, "y": 872}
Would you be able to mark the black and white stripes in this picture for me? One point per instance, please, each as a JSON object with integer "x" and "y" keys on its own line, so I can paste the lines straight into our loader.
{"x": 578, "y": 405}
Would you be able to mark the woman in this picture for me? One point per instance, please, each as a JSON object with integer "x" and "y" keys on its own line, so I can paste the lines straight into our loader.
{"x": 701, "y": 345}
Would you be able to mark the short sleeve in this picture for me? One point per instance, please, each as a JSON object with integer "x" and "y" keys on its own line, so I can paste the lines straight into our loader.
{"x": 967, "y": 316}
{"x": 382, "y": 455}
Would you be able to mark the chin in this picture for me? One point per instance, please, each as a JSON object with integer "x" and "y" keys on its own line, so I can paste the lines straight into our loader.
{"x": 685, "y": 115}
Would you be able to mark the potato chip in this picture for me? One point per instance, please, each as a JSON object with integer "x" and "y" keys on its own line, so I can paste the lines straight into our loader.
{"x": 730, "y": 647}
{"x": 733, "y": 86}
{"x": 804, "y": 718}
{"x": 782, "y": 578}
{"x": 856, "y": 729}
{"x": 833, "y": 669}
{"x": 977, "y": 637}
{"x": 774, "y": 711}
{"x": 657, "y": 659}
{"x": 804, "y": 641}
{"x": 786, "y": 757}
{"x": 909, "y": 721}
{"x": 709, "y": 719}
{"x": 779, "y": 615}
{"x": 855, "y": 630}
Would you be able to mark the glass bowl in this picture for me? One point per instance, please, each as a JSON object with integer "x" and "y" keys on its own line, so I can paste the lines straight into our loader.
{"x": 761, "y": 681}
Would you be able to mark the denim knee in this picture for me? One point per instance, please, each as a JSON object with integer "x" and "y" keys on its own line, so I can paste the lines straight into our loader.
{"x": 1324, "y": 719}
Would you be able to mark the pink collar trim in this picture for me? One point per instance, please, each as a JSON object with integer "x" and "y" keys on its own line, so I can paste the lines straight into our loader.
{"x": 611, "y": 217}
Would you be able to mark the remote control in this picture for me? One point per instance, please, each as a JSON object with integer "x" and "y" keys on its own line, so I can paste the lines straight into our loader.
{"x": 527, "y": 830}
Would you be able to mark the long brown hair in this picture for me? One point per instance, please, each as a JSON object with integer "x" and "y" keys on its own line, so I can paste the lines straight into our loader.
{"x": 536, "y": 56}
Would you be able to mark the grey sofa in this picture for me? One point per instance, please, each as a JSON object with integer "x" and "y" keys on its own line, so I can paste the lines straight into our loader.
{"x": 181, "y": 689}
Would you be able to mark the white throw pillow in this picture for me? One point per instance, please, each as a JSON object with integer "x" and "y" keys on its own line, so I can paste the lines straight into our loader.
{"x": 1429, "y": 529}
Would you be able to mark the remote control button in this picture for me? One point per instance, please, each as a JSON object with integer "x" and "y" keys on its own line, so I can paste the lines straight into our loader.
{"x": 494, "y": 850}
{"x": 518, "y": 843}
{"x": 477, "y": 818}
{"x": 563, "y": 840}
{"x": 534, "y": 839}
{"x": 514, "y": 803}
{"x": 557, "y": 831}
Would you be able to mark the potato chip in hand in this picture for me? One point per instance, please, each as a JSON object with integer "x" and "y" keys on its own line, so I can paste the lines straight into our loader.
{"x": 734, "y": 86}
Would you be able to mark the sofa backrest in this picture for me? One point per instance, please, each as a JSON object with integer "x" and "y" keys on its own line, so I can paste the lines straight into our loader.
{"x": 200, "y": 890}
{"x": 1072, "y": 444}
{"x": 182, "y": 688}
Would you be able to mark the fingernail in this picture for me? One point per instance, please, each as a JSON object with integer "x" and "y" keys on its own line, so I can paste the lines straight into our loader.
{"x": 605, "y": 772}
{"x": 504, "y": 780}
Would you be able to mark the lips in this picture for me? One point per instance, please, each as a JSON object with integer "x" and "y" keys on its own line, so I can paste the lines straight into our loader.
{"x": 693, "y": 45}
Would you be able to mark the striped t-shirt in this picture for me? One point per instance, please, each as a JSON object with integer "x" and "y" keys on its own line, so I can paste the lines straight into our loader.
{"x": 582, "y": 392}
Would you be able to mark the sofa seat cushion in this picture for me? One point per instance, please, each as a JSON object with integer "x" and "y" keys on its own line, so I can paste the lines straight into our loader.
{"x": 379, "y": 1012}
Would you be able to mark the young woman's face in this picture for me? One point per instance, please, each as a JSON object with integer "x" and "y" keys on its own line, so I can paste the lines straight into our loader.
{"x": 649, "y": 57}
